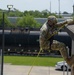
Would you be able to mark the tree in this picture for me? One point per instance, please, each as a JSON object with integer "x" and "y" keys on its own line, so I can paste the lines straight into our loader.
{"x": 45, "y": 13}
{"x": 15, "y": 13}
{"x": 27, "y": 21}
{"x": 6, "y": 21}
{"x": 37, "y": 14}
{"x": 65, "y": 12}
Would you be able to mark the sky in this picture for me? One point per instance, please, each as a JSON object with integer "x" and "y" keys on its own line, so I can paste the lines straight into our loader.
{"x": 22, "y": 5}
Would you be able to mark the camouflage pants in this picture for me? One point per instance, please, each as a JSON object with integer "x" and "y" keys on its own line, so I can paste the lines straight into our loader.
{"x": 45, "y": 45}
{"x": 56, "y": 45}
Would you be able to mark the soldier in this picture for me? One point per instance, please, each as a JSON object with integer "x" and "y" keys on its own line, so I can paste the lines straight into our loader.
{"x": 46, "y": 38}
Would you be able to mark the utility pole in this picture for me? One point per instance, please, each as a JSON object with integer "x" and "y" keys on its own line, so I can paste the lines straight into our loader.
{"x": 50, "y": 6}
{"x": 73, "y": 11}
{"x": 59, "y": 7}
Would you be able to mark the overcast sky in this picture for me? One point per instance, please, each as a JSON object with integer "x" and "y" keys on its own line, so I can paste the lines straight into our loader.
{"x": 22, "y": 5}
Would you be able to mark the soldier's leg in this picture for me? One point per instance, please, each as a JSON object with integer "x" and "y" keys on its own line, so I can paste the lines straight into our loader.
{"x": 51, "y": 41}
{"x": 60, "y": 47}
{"x": 44, "y": 45}
{"x": 64, "y": 52}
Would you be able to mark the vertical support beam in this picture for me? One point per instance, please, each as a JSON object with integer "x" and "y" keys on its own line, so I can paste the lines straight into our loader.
{"x": 72, "y": 47}
{"x": 73, "y": 11}
{"x": 2, "y": 44}
{"x": 72, "y": 70}
{"x": 72, "y": 67}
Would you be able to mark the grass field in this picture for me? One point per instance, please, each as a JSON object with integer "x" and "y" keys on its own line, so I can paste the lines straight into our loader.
{"x": 35, "y": 61}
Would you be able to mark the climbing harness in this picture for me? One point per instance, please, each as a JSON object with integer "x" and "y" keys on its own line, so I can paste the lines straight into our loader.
{"x": 41, "y": 49}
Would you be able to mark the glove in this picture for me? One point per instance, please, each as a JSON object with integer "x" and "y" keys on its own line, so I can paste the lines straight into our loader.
{"x": 70, "y": 21}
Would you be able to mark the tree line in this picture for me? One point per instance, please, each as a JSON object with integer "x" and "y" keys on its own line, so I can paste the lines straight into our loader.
{"x": 27, "y": 17}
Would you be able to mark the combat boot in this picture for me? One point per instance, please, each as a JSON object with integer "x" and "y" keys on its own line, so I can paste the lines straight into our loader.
{"x": 64, "y": 52}
{"x": 69, "y": 60}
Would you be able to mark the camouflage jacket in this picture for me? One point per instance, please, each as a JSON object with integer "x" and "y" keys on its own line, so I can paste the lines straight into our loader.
{"x": 46, "y": 31}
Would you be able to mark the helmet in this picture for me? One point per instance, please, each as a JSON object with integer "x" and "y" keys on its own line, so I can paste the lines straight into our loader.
{"x": 52, "y": 19}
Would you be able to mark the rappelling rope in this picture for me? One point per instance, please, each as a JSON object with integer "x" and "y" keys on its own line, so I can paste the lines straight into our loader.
{"x": 34, "y": 61}
{"x": 41, "y": 49}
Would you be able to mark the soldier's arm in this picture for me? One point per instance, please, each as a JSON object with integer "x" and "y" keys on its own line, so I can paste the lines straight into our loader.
{"x": 70, "y": 21}
{"x": 61, "y": 23}
{"x": 66, "y": 22}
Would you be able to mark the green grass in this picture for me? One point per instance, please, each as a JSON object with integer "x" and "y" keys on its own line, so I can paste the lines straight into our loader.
{"x": 35, "y": 61}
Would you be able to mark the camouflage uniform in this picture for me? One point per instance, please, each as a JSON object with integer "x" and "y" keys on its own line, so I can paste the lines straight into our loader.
{"x": 46, "y": 32}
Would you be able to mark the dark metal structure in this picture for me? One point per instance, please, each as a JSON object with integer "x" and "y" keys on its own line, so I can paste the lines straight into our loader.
{"x": 28, "y": 42}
